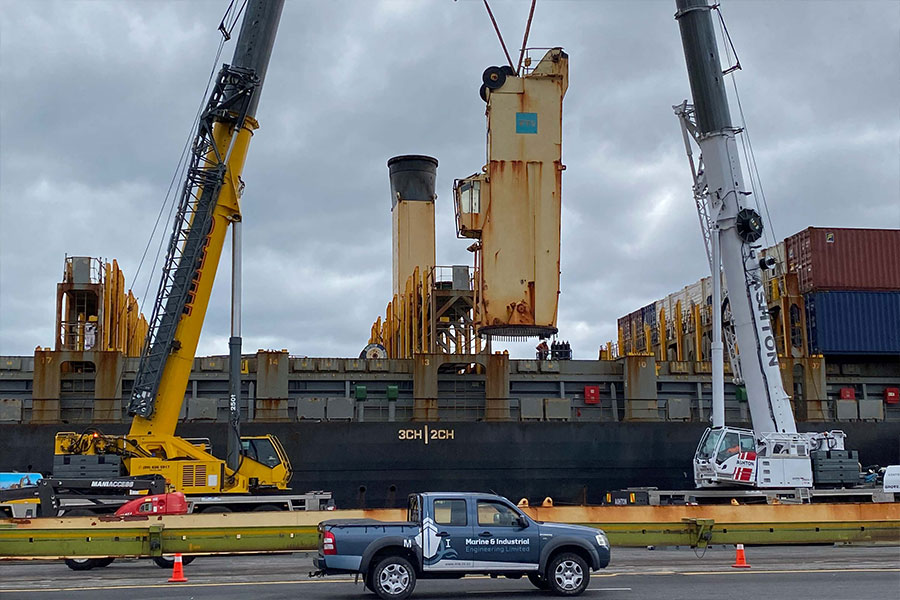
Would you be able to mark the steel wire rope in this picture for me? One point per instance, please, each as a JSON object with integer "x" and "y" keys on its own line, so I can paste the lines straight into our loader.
{"x": 177, "y": 176}
{"x": 226, "y": 27}
{"x": 746, "y": 142}
{"x": 499, "y": 35}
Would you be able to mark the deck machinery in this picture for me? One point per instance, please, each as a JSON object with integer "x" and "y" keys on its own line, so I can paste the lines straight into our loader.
{"x": 510, "y": 209}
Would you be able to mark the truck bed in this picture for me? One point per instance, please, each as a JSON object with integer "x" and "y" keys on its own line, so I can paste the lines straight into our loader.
{"x": 364, "y": 523}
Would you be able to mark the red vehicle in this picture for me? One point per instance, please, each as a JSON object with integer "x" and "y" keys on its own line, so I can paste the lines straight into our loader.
{"x": 173, "y": 503}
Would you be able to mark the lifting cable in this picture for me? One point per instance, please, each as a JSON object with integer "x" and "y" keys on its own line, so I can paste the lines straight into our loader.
{"x": 525, "y": 39}
{"x": 499, "y": 35}
{"x": 746, "y": 144}
{"x": 226, "y": 27}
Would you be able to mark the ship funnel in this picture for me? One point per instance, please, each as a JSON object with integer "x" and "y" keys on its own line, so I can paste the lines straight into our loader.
{"x": 412, "y": 213}
{"x": 412, "y": 178}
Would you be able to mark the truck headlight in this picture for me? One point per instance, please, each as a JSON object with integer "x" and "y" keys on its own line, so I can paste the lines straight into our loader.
{"x": 602, "y": 541}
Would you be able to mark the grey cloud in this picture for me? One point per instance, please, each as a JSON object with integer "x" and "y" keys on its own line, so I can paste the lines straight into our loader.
{"x": 97, "y": 97}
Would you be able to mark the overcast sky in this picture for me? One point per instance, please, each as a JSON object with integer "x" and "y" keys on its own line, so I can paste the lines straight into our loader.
{"x": 97, "y": 99}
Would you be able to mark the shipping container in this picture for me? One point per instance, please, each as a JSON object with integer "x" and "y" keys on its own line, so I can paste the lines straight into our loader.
{"x": 845, "y": 259}
{"x": 853, "y": 322}
{"x": 778, "y": 253}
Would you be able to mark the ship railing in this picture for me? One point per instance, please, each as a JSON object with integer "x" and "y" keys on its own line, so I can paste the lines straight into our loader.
{"x": 451, "y": 277}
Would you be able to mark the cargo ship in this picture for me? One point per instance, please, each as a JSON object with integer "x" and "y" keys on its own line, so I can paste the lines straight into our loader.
{"x": 428, "y": 404}
{"x": 577, "y": 429}
{"x": 373, "y": 430}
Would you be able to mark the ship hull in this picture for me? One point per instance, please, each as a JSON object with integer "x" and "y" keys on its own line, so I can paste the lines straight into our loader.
{"x": 375, "y": 465}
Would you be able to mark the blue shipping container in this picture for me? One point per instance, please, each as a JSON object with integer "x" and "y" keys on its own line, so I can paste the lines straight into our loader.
{"x": 844, "y": 322}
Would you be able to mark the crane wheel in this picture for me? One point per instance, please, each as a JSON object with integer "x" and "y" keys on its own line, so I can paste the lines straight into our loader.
{"x": 82, "y": 564}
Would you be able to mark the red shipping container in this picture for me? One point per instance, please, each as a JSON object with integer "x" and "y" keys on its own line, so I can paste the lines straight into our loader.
{"x": 592, "y": 394}
{"x": 836, "y": 258}
{"x": 848, "y": 393}
{"x": 891, "y": 395}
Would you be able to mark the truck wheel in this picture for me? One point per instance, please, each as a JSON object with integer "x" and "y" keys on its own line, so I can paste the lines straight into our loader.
{"x": 394, "y": 578}
{"x": 81, "y": 564}
{"x": 568, "y": 575}
{"x": 104, "y": 562}
{"x": 538, "y": 581}
{"x": 168, "y": 561}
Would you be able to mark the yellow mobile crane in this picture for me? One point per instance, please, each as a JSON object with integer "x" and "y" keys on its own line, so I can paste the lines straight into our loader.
{"x": 255, "y": 467}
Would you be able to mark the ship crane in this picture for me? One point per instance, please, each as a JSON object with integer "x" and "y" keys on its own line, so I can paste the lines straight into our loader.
{"x": 773, "y": 454}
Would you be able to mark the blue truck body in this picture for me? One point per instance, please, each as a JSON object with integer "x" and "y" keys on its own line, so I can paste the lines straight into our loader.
{"x": 455, "y": 534}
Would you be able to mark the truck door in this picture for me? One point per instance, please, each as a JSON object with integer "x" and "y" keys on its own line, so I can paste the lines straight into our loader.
{"x": 500, "y": 542}
{"x": 445, "y": 532}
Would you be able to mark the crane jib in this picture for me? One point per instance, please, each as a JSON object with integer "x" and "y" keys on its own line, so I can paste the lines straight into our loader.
{"x": 228, "y": 103}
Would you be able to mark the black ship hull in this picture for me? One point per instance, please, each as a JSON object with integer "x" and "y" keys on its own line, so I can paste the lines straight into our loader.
{"x": 375, "y": 465}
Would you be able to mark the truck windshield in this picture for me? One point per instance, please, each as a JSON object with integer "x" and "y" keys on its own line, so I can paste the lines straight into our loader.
{"x": 707, "y": 447}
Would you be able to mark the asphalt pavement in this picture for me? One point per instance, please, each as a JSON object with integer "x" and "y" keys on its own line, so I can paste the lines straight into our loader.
{"x": 820, "y": 572}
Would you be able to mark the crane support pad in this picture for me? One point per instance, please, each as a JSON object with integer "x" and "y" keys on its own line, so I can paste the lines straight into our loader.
{"x": 296, "y": 531}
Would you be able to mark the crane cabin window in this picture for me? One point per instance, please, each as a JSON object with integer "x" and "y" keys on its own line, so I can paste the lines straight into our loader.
{"x": 730, "y": 445}
{"x": 261, "y": 450}
{"x": 708, "y": 444}
{"x": 470, "y": 197}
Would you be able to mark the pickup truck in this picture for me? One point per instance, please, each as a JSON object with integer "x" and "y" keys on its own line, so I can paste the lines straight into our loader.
{"x": 449, "y": 535}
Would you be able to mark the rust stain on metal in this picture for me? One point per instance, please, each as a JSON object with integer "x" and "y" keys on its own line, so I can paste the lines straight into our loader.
{"x": 272, "y": 409}
{"x": 519, "y": 263}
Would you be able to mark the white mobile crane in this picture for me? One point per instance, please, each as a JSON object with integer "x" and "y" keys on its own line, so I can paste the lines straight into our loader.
{"x": 773, "y": 454}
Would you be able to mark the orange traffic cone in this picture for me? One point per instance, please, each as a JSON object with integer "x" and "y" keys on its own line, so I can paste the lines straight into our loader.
{"x": 740, "y": 561}
{"x": 177, "y": 571}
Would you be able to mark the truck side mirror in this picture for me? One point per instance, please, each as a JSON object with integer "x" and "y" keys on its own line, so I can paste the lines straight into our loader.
{"x": 521, "y": 522}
